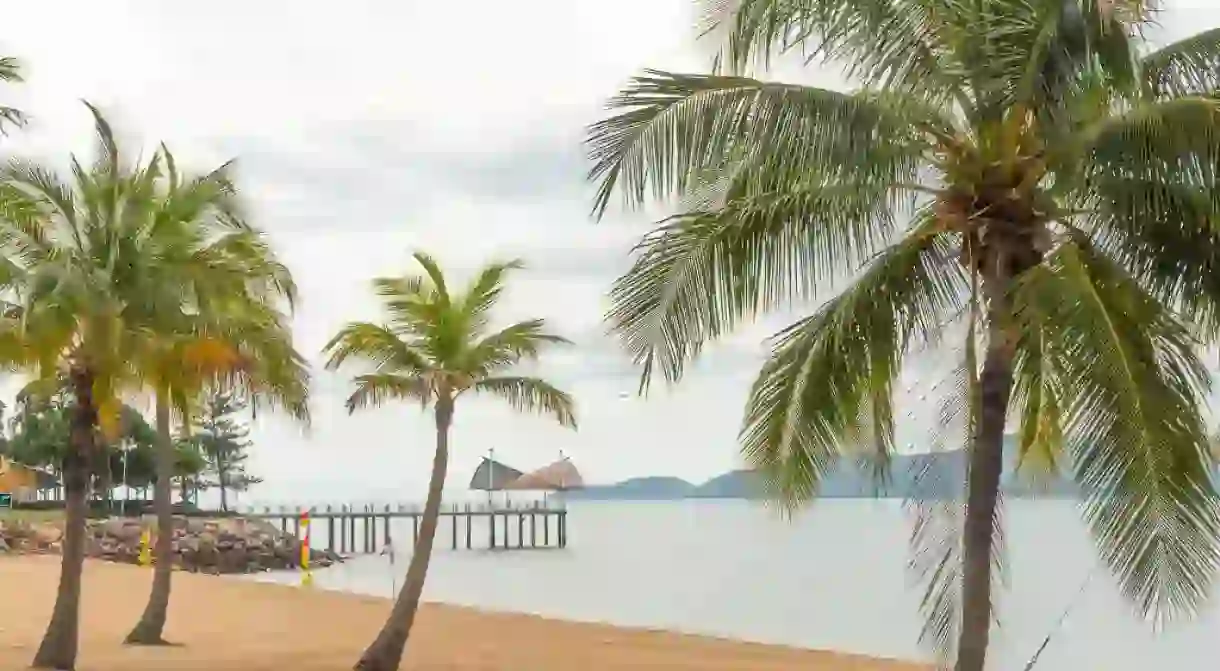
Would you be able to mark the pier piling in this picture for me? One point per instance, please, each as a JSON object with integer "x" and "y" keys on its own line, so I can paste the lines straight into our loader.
{"x": 344, "y": 519}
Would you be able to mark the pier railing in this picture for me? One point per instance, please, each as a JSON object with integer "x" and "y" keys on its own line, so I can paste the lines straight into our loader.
{"x": 368, "y": 529}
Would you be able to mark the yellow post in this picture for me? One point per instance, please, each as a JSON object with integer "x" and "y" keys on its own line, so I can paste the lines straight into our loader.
{"x": 145, "y": 548}
{"x": 306, "y": 574}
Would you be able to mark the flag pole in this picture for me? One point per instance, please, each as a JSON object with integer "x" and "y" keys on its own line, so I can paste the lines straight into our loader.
{"x": 491, "y": 461}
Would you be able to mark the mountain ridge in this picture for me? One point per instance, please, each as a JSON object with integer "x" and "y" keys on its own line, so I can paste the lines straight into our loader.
{"x": 931, "y": 475}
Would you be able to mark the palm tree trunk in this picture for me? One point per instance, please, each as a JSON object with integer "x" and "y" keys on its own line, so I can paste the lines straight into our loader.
{"x": 222, "y": 477}
{"x": 58, "y": 647}
{"x": 385, "y": 653}
{"x": 149, "y": 630}
{"x": 985, "y": 467}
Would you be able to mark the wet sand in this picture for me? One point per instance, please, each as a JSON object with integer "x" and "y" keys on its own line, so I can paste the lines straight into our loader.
{"x": 225, "y": 624}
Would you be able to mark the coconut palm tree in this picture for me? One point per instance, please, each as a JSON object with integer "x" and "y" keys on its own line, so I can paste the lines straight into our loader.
{"x": 229, "y": 328}
{"x": 95, "y": 272}
{"x": 1025, "y": 182}
{"x": 74, "y": 291}
{"x": 436, "y": 347}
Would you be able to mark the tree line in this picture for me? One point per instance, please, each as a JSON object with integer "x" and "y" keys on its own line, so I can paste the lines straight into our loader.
{"x": 211, "y": 448}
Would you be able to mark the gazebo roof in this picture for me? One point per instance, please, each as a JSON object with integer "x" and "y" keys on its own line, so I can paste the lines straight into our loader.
{"x": 492, "y": 475}
{"x": 558, "y": 476}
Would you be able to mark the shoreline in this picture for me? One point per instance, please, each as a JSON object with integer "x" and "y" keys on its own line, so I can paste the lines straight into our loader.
{"x": 263, "y": 626}
{"x": 268, "y": 578}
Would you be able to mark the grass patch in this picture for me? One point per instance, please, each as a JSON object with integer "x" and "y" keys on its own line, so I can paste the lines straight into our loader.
{"x": 39, "y": 516}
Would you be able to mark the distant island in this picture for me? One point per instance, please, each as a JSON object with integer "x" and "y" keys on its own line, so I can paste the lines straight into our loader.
{"x": 937, "y": 476}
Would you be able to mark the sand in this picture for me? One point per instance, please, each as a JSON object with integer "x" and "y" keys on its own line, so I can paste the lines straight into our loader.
{"x": 226, "y": 624}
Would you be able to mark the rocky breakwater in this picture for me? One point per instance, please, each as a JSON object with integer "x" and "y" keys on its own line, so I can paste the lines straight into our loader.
{"x": 218, "y": 546}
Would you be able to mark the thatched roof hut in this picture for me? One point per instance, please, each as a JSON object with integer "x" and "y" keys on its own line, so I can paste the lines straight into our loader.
{"x": 492, "y": 476}
{"x": 558, "y": 476}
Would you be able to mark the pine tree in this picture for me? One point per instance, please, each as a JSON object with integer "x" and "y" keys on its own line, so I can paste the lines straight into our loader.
{"x": 223, "y": 443}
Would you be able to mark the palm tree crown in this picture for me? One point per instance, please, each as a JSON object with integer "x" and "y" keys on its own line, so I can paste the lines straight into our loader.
{"x": 1022, "y": 179}
{"x": 439, "y": 344}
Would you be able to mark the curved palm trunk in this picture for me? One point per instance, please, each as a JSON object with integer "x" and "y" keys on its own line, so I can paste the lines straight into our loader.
{"x": 385, "y": 653}
{"x": 148, "y": 631}
{"x": 985, "y": 467}
{"x": 222, "y": 477}
{"x": 58, "y": 647}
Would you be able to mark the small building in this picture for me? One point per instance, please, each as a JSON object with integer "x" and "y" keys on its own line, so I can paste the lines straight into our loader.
{"x": 23, "y": 482}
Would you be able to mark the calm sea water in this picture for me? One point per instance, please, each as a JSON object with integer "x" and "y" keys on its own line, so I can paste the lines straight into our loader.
{"x": 835, "y": 578}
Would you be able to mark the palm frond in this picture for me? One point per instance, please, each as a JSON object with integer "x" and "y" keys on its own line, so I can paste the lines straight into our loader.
{"x": 1131, "y": 388}
{"x": 485, "y": 291}
{"x": 1189, "y": 67}
{"x": 1030, "y": 52}
{"x": 11, "y": 117}
{"x": 375, "y": 389}
{"x": 517, "y": 343}
{"x": 828, "y": 372}
{"x": 531, "y": 395}
{"x": 674, "y": 128}
{"x": 698, "y": 275}
{"x": 937, "y": 535}
{"x": 1148, "y": 134}
{"x": 936, "y": 563}
{"x": 38, "y": 206}
{"x": 107, "y": 159}
{"x": 1037, "y": 398}
{"x": 433, "y": 271}
{"x": 375, "y": 344}
{"x": 896, "y": 44}
{"x": 1151, "y": 184}
{"x": 270, "y": 371}
{"x": 413, "y": 303}
{"x": 10, "y": 72}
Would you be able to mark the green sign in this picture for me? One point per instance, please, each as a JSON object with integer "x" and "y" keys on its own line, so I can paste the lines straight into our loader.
{"x": 6, "y": 500}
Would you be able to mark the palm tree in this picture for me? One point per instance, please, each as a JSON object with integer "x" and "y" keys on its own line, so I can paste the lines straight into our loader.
{"x": 94, "y": 275}
{"x": 229, "y": 284}
{"x": 1023, "y": 179}
{"x": 73, "y": 292}
{"x": 436, "y": 347}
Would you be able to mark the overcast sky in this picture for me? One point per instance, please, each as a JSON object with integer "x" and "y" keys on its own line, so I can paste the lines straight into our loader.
{"x": 369, "y": 128}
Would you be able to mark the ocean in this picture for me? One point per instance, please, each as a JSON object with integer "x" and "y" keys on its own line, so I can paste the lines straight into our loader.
{"x": 834, "y": 577}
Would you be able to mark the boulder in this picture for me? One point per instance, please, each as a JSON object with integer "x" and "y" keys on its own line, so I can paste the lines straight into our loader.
{"x": 125, "y": 529}
{"x": 46, "y": 534}
{"x": 226, "y": 545}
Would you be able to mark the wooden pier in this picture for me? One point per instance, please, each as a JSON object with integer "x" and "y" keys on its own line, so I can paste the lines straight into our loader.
{"x": 350, "y": 530}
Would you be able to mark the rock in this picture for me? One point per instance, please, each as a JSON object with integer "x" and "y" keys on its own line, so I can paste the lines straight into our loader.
{"x": 194, "y": 526}
{"x": 47, "y": 534}
{"x": 124, "y": 529}
{"x": 227, "y": 545}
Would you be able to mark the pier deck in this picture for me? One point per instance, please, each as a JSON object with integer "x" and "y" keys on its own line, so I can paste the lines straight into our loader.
{"x": 368, "y": 529}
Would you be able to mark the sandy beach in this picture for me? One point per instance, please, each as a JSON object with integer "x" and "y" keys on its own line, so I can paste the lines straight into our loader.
{"x": 226, "y": 624}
